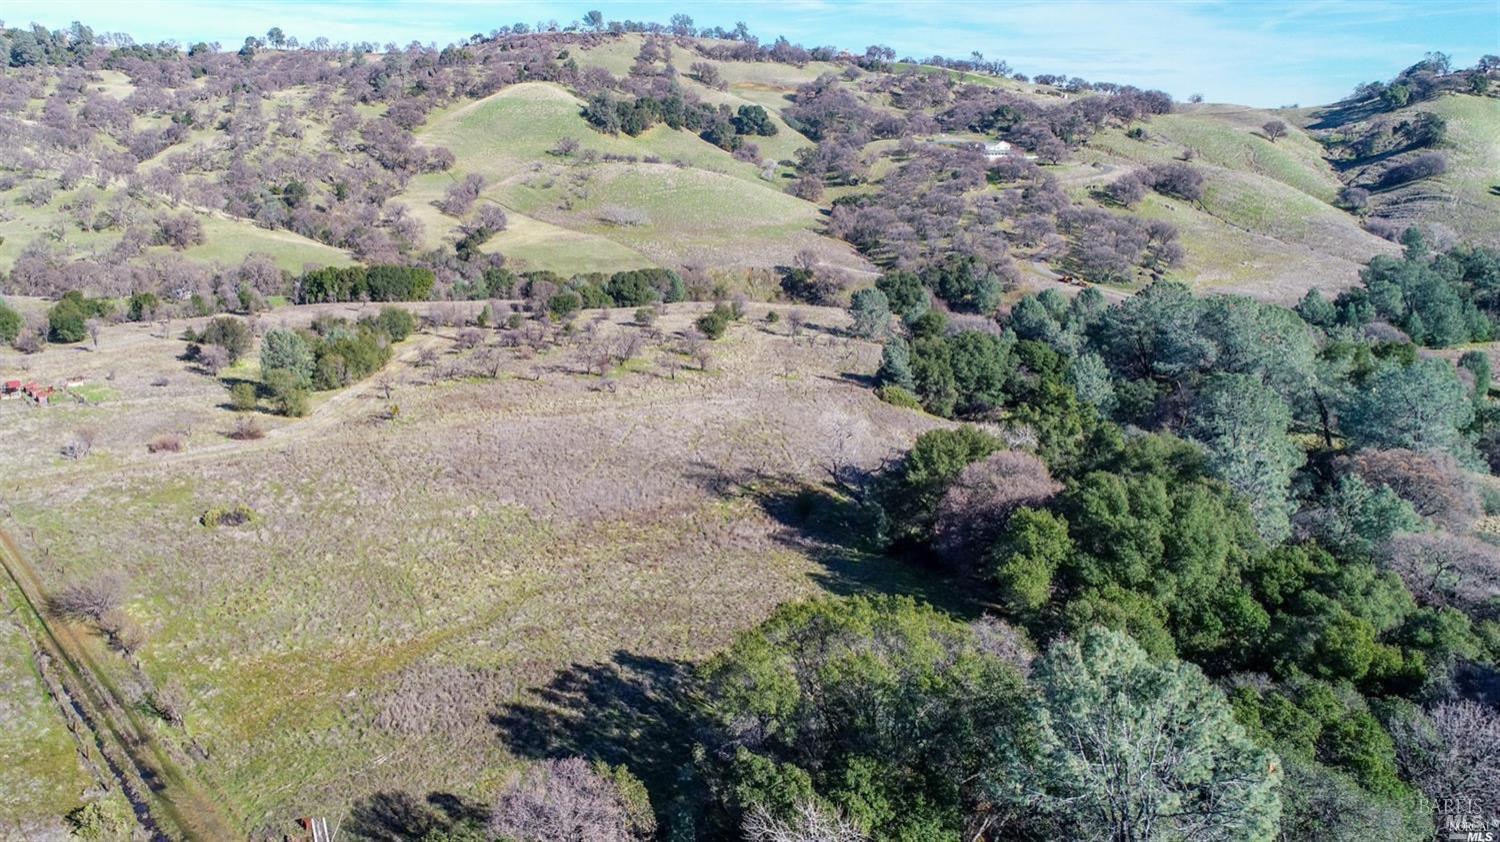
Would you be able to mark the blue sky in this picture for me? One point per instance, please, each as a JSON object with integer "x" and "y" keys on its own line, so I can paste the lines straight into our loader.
{"x": 1265, "y": 52}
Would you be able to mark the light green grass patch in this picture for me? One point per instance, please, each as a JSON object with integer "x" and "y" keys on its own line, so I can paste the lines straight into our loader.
{"x": 95, "y": 393}
{"x": 41, "y": 777}
{"x": 230, "y": 241}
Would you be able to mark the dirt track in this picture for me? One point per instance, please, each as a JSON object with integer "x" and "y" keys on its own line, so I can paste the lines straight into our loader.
{"x": 168, "y": 803}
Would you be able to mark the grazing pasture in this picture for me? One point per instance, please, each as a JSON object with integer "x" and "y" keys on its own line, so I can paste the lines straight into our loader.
{"x": 414, "y": 584}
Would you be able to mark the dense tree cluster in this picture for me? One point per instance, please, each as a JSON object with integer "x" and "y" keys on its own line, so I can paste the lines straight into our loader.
{"x": 1296, "y": 522}
{"x": 1437, "y": 300}
{"x": 885, "y": 719}
{"x": 649, "y": 96}
{"x": 169, "y": 144}
{"x": 68, "y": 319}
{"x": 330, "y": 354}
{"x": 1425, "y": 80}
{"x": 1049, "y": 131}
{"x": 359, "y": 283}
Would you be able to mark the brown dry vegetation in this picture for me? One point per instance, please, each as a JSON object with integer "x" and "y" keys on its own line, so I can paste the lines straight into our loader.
{"x": 424, "y": 591}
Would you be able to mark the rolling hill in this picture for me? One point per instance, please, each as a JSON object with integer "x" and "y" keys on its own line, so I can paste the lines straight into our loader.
{"x": 366, "y": 166}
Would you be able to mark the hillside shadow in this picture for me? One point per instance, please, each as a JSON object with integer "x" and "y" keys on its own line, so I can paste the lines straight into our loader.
{"x": 632, "y": 710}
{"x": 1345, "y": 113}
{"x": 398, "y": 816}
{"x": 1343, "y": 165}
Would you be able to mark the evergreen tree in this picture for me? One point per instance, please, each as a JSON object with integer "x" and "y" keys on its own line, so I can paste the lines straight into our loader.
{"x": 1137, "y": 749}
{"x": 895, "y": 364}
{"x": 1243, "y": 427}
{"x": 871, "y": 311}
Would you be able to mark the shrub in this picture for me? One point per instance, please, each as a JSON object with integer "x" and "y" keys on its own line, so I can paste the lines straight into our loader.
{"x": 247, "y": 429}
{"x": 897, "y": 396}
{"x": 236, "y": 515}
{"x": 10, "y": 323}
{"x": 165, "y": 443}
{"x": 1425, "y": 165}
{"x": 229, "y": 333}
{"x": 714, "y": 323}
{"x": 106, "y": 819}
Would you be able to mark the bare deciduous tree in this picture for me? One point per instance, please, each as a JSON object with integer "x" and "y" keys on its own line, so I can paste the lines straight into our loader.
{"x": 1433, "y": 482}
{"x": 1445, "y": 569}
{"x": 213, "y": 359}
{"x": 1452, "y": 753}
{"x": 977, "y": 505}
{"x": 565, "y": 800}
{"x": 80, "y": 443}
{"x": 1273, "y": 129}
{"x": 89, "y": 600}
{"x": 795, "y": 322}
{"x": 808, "y": 823}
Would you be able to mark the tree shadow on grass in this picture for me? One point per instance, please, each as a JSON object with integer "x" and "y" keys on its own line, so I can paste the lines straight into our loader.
{"x": 828, "y": 524}
{"x": 397, "y": 815}
{"x": 632, "y": 710}
{"x": 864, "y": 381}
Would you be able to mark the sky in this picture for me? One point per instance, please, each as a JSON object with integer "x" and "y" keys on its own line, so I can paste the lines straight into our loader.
{"x": 1255, "y": 52}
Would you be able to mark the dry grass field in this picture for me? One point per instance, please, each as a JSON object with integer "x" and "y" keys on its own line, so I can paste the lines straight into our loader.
{"x": 511, "y": 564}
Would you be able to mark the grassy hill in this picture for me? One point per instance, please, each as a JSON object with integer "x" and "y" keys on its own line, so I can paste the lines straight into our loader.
{"x": 1462, "y": 203}
{"x": 1268, "y": 223}
{"x": 683, "y": 206}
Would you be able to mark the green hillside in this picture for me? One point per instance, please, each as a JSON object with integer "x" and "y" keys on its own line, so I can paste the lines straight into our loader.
{"x": 1466, "y": 198}
{"x": 695, "y": 204}
{"x": 1269, "y": 222}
